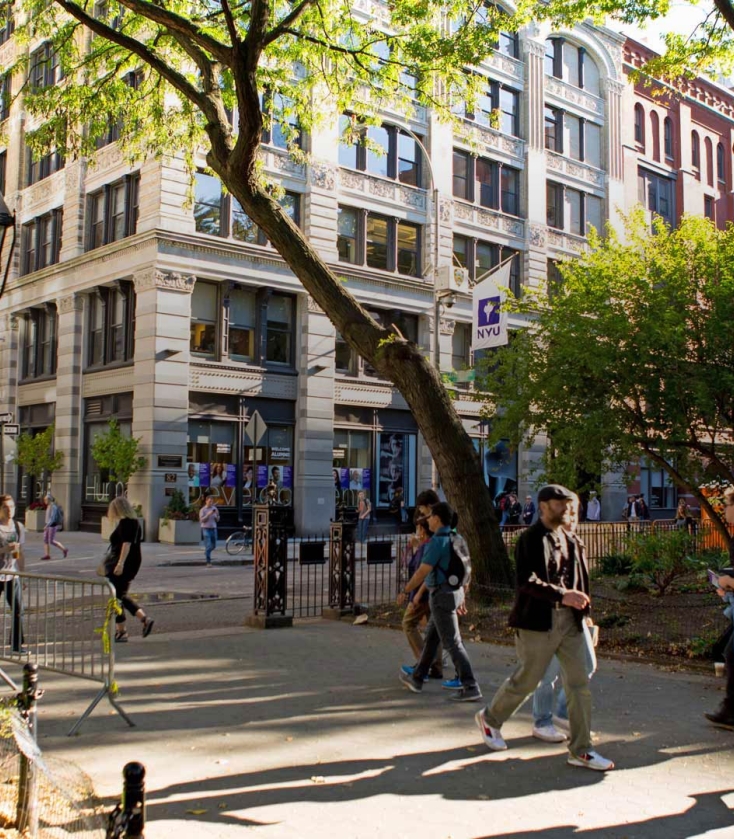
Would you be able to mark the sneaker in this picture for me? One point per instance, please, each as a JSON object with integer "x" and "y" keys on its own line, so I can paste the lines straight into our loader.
{"x": 492, "y": 737}
{"x": 466, "y": 695}
{"x": 435, "y": 673}
{"x": 408, "y": 670}
{"x": 721, "y": 719}
{"x": 147, "y": 627}
{"x": 549, "y": 733}
{"x": 452, "y": 684}
{"x": 409, "y": 682}
{"x": 561, "y": 724}
{"x": 65, "y": 552}
{"x": 46, "y": 557}
{"x": 591, "y": 760}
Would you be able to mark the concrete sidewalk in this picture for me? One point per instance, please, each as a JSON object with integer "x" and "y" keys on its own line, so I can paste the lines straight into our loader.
{"x": 306, "y": 732}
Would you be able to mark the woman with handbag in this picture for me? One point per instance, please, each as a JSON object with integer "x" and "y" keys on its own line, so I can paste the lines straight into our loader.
{"x": 53, "y": 519}
{"x": 122, "y": 563}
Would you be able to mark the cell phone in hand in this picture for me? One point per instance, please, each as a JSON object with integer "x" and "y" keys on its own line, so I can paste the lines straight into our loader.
{"x": 713, "y": 578}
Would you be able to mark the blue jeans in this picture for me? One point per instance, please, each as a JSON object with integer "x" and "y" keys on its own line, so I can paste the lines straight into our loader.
{"x": 362, "y": 525}
{"x": 210, "y": 541}
{"x": 443, "y": 628}
{"x": 543, "y": 698}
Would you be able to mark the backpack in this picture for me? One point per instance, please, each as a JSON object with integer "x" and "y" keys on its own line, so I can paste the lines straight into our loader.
{"x": 59, "y": 517}
{"x": 458, "y": 573}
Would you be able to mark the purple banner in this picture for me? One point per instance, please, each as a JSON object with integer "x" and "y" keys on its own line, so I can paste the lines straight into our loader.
{"x": 231, "y": 479}
{"x": 366, "y": 478}
{"x": 344, "y": 478}
{"x": 287, "y": 477}
{"x": 262, "y": 476}
{"x": 204, "y": 474}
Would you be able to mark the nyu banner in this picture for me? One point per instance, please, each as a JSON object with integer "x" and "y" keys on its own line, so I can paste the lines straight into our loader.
{"x": 489, "y": 323}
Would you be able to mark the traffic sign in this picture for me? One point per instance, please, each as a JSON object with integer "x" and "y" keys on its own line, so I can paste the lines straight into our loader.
{"x": 12, "y": 430}
{"x": 8, "y": 417}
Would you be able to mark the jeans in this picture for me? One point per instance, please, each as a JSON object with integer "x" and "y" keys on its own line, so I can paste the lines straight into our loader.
{"x": 14, "y": 597}
{"x": 412, "y": 619}
{"x": 535, "y": 651}
{"x": 362, "y": 525}
{"x": 444, "y": 629}
{"x": 545, "y": 692}
{"x": 210, "y": 541}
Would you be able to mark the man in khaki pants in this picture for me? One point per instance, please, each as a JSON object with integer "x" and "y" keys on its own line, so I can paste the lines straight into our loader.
{"x": 551, "y": 602}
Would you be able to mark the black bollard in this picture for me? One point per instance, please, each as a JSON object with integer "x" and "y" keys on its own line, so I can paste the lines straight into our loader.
{"x": 133, "y": 799}
{"x": 27, "y": 810}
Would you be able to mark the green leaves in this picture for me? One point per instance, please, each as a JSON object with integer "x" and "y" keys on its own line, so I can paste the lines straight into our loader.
{"x": 117, "y": 454}
{"x": 35, "y": 454}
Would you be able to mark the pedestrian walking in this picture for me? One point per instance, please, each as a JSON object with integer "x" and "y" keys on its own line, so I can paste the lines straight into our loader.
{"x": 514, "y": 509}
{"x": 12, "y": 556}
{"x": 593, "y": 507}
{"x": 122, "y": 563}
{"x": 643, "y": 511}
{"x": 364, "y": 511}
{"x": 53, "y": 520}
{"x": 552, "y": 599}
{"x": 550, "y": 694}
{"x": 444, "y": 602}
{"x": 528, "y": 511}
{"x": 208, "y": 518}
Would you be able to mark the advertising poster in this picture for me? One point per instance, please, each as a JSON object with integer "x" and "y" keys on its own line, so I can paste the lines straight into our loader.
{"x": 355, "y": 478}
{"x": 392, "y": 457}
{"x": 204, "y": 473}
{"x": 218, "y": 475}
{"x": 287, "y": 477}
{"x": 366, "y": 478}
{"x": 193, "y": 474}
{"x": 248, "y": 477}
{"x": 276, "y": 476}
{"x": 231, "y": 479}
{"x": 343, "y": 478}
{"x": 262, "y": 476}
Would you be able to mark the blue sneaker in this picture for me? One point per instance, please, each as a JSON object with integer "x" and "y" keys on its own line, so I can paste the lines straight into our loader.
{"x": 452, "y": 684}
{"x": 408, "y": 670}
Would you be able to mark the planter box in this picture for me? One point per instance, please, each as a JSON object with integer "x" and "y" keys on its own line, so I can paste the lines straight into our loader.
{"x": 35, "y": 520}
{"x": 106, "y": 529}
{"x": 179, "y": 532}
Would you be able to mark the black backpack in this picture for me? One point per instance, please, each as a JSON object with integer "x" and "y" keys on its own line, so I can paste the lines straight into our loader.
{"x": 458, "y": 573}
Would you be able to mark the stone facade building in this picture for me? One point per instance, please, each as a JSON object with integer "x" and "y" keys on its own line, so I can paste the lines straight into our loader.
{"x": 183, "y": 323}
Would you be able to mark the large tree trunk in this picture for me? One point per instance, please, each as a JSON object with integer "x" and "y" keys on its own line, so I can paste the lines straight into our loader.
{"x": 403, "y": 364}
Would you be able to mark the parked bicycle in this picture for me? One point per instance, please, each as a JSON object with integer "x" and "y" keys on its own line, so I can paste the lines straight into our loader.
{"x": 238, "y": 541}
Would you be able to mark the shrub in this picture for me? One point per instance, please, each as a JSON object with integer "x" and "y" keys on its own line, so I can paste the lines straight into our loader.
{"x": 662, "y": 557}
{"x": 36, "y": 505}
{"x": 178, "y": 510}
{"x": 614, "y": 565}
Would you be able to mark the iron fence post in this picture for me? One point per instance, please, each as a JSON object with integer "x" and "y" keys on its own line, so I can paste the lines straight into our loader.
{"x": 341, "y": 570}
{"x": 27, "y": 810}
{"x": 270, "y": 548}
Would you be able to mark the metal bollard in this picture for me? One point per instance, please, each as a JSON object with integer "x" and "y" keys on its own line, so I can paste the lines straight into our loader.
{"x": 27, "y": 809}
{"x": 127, "y": 820}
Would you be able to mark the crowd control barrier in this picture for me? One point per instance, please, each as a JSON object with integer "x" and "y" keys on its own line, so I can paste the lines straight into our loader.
{"x": 62, "y": 624}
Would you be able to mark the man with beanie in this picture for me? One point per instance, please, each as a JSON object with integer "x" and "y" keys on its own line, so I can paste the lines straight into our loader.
{"x": 552, "y": 599}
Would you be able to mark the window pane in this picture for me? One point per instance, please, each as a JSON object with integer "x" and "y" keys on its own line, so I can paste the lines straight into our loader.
{"x": 204, "y": 302}
{"x": 202, "y": 338}
{"x": 554, "y": 216}
{"x": 461, "y": 250}
{"x": 510, "y": 190}
{"x": 573, "y": 132}
{"x": 573, "y": 203}
{"x": 551, "y": 129}
{"x": 408, "y": 242}
{"x": 280, "y": 118}
{"x": 508, "y": 44}
{"x": 486, "y": 182}
{"x": 377, "y": 232}
{"x": 591, "y": 76}
{"x": 592, "y": 144}
{"x": 207, "y": 204}
{"x": 594, "y": 213}
{"x": 483, "y": 108}
{"x": 377, "y": 164}
{"x": 244, "y": 228}
{"x": 487, "y": 257}
{"x": 347, "y": 153}
{"x": 408, "y": 160}
{"x": 510, "y": 106}
{"x": 571, "y": 64}
{"x": 279, "y": 328}
{"x": 347, "y": 225}
{"x": 117, "y": 209}
{"x": 461, "y": 175}
{"x": 343, "y": 355}
{"x": 97, "y": 220}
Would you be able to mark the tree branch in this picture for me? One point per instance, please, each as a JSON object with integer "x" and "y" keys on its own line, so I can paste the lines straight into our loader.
{"x": 231, "y": 25}
{"x": 727, "y": 11}
{"x": 163, "y": 68}
{"x": 283, "y": 28}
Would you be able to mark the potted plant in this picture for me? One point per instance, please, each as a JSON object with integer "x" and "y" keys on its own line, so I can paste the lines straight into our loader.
{"x": 179, "y": 524}
{"x": 36, "y": 457}
{"x": 118, "y": 456}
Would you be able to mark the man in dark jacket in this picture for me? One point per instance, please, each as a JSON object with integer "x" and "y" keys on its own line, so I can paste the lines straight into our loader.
{"x": 551, "y": 602}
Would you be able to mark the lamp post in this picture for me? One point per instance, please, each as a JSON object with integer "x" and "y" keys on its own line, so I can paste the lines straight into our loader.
{"x": 6, "y": 221}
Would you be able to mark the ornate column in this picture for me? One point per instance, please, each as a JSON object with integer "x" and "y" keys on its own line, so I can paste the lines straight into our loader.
{"x": 313, "y": 491}
{"x": 615, "y": 152}
{"x": 67, "y": 481}
{"x": 161, "y": 388}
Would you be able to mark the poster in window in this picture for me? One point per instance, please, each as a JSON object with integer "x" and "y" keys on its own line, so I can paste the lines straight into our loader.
{"x": 204, "y": 474}
{"x": 218, "y": 475}
{"x": 392, "y": 466}
{"x": 500, "y": 469}
{"x": 355, "y": 478}
{"x": 287, "y": 477}
{"x": 276, "y": 476}
{"x": 248, "y": 477}
{"x": 343, "y": 478}
{"x": 262, "y": 476}
{"x": 231, "y": 477}
{"x": 193, "y": 474}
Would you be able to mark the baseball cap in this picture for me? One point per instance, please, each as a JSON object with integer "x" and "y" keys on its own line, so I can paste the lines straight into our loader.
{"x": 555, "y": 492}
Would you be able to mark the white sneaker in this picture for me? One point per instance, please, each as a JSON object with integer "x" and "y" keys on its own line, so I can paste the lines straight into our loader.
{"x": 549, "y": 733}
{"x": 492, "y": 736}
{"x": 591, "y": 760}
{"x": 561, "y": 724}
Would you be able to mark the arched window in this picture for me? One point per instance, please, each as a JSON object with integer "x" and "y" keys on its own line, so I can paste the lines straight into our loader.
{"x": 709, "y": 147}
{"x": 668, "y": 138}
{"x": 720, "y": 164}
{"x": 572, "y": 64}
{"x": 655, "y": 135}
{"x": 696, "y": 153}
{"x": 640, "y": 126}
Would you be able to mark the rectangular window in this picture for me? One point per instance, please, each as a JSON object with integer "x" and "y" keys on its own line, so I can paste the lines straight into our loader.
{"x": 39, "y": 168}
{"x": 553, "y": 131}
{"x": 7, "y": 23}
{"x": 347, "y": 235}
{"x": 97, "y": 318}
{"x": 592, "y": 144}
{"x": 377, "y": 241}
{"x": 573, "y": 127}
{"x": 461, "y": 250}
{"x": 408, "y": 249}
{"x": 593, "y": 214}
{"x": 280, "y": 120}
{"x": 510, "y": 191}
{"x": 204, "y": 317}
{"x": 111, "y": 324}
{"x": 709, "y": 208}
{"x": 279, "y": 329}
{"x": 409, "y": 160}
{"x": 38, "y": 351}
{"x": 41, "y": 242}
{"x": 554, "y": 205}
{"x": 28, "y": 248}
{"x": 382, "y": 150}
{"x": 574, "y": 212}
{"x": 343, "y": 356}
{"x": 242, "y": 323}
{"x": 208, "y": 204}
{"x": 112, "y": 212}
{"x": 378, "y": 157}
{"x": 461, "y": 175}
{"x": 656, "y": 194}
{"x": 244, "y": 228}
{"x": 487, "y": 174}
{"x": 45, "y": 69}
{"x": 509, "y": 104}
{"x": 347, "y": 150}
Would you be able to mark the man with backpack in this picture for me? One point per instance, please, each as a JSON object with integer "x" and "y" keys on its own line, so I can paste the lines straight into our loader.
{"x": 445, "y": 569}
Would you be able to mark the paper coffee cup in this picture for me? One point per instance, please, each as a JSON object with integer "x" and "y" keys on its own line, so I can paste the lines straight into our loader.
{"x": 719, "y": 669}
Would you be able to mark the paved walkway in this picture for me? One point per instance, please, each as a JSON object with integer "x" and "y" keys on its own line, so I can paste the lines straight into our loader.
{"x": 306, "y": 732}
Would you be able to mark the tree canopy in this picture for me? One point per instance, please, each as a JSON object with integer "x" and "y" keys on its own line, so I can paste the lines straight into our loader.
{"x": 630, "y": 356}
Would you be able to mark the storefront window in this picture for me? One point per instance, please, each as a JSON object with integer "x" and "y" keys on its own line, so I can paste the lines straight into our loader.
{"x": 396, "y": 466}
{"x": 352, "y": 466}
{"x": 211, "y": 467}
{"x": 97, "y": 485}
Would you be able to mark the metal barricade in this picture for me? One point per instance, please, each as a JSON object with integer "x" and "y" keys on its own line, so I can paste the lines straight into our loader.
{"x": 63, "y": 624}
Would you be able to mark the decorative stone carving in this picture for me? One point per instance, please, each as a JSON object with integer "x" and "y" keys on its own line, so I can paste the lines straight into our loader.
{"x": 226, "y": 379}
{"x": 509, "y": 66}
{"x": 413, "y": 198}
{"x": 569, "y": 93}
{"x": 153, "y": 278}
{"x": 444, "y": 210}
{"x": 351, "y": 180}
{"x": 554, "y": 162}
{"x": 536, "y": 236}
{"x": 313, "y": 306}
{"x": 488, "y": 218}
{"x": 614, "y": 87}
{"x": 70, "y": 303}
{"x": 514, "y": 227}
{"x": 534, "y": 48}
{"x": 446, "y": 326}
{"x": 107, "y": 157}
{"x": 384, "y": 189}
{"x": 284, "y": 163}
{"x": 463, "y": 211}
{"x": 323, "y": 176}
